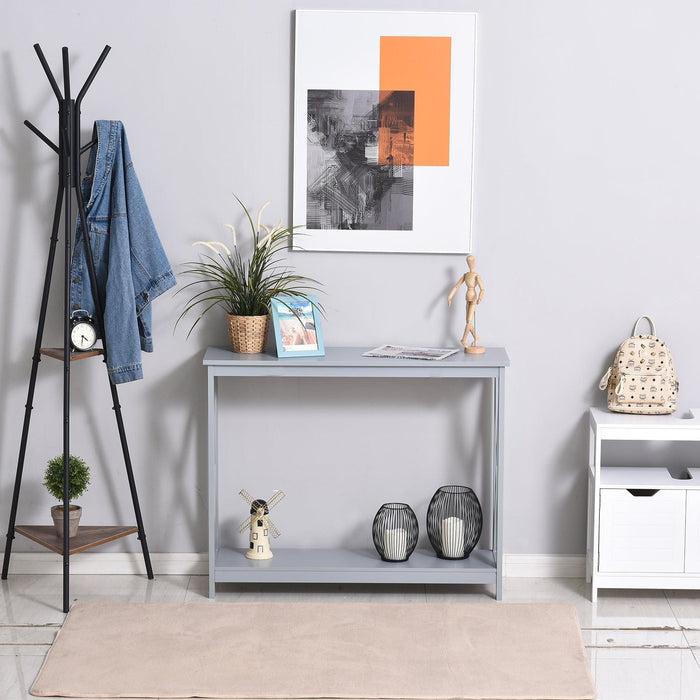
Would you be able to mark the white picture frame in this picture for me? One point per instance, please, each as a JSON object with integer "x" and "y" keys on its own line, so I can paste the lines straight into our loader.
{"x": 343, "y": 101}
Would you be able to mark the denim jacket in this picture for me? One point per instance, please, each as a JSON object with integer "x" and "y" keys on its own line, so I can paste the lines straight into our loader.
{"x": 130, "y": 263}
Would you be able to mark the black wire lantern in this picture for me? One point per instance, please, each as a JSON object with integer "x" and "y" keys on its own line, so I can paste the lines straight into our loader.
{"x": 395, "y": 531}
{"x": 454, "y": 521}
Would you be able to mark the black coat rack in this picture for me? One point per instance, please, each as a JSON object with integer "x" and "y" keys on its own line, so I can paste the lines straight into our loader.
{"x": 69, "y": 180}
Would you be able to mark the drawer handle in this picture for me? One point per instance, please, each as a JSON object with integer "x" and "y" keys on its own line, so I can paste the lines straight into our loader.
{"x": 643, "y": 492}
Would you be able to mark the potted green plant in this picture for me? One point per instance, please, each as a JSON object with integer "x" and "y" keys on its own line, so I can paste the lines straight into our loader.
{"x": 244, "y": 284}
{"x": 78, "y": 480}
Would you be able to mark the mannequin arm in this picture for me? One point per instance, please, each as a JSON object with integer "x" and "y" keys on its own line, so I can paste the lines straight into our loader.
{"x": 454, "y": 290}
{"x": 481, "y": 289}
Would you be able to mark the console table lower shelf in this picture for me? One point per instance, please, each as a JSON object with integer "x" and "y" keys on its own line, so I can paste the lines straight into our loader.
{"x": 352, "y": 566}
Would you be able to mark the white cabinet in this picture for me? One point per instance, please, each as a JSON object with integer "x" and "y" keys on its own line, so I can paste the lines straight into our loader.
{"x": 643, "y": 522}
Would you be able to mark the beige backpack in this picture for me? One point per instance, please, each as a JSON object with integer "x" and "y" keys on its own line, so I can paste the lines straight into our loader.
{"x": 642, "y": 378}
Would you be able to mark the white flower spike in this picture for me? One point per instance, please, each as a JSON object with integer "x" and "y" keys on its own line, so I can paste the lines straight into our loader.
{"x": 212, "y": 245}
{"x": 262, "y": 243}
{"x": 233, "y": 233}
{"x": 260, "y": 215}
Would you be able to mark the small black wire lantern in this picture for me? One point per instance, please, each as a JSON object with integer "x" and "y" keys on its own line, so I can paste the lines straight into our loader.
{"x": 395, "y": 531}
{"x": 454, "y": 522}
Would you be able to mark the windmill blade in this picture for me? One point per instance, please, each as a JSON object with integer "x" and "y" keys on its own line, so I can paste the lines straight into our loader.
{"x": 246, "y": 496}
{"x": 245, "y": 524}
{"x": 272, "y": 528}
{"x": 276, "y": 497}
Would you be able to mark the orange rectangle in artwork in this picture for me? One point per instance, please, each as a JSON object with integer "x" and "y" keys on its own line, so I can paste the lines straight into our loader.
{"x": 421, "y": 64}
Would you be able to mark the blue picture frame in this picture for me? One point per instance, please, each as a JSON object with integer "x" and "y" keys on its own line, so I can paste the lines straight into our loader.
{"x": 297, "y": 325}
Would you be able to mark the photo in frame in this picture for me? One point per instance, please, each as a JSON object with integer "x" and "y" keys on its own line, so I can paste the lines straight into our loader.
{"x": 297, "y": 325}
{"x": 384, "y": 130}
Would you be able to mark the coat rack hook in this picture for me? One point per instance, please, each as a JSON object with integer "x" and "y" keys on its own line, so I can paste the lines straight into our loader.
{"x": 66, "y": 74}
{"x": 44, "y": 138}
{"x": 92, "y": 75}
{"x": 47, "y": 70}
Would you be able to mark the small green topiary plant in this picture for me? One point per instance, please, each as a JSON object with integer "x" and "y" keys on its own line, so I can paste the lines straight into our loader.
{"x": 79, "y": 477}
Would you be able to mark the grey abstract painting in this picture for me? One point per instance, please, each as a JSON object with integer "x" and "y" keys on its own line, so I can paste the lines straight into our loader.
{"x": 360, "y": 160}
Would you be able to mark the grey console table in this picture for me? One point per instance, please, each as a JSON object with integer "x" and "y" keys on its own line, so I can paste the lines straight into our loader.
{"x": 343, "y": 565}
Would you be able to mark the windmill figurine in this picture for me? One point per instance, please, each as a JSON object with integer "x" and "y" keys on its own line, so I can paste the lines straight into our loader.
{"x": 261, "y": 527}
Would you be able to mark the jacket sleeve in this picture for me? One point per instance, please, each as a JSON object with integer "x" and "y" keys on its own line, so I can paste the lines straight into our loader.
{"x": 120, "y": 319}
{"x": 141, "y": 272}
{"x": 151, "y": 272}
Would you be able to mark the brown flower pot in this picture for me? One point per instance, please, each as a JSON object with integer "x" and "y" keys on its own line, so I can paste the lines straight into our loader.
{"x": 74, "y": 513}
{"x": 248, "y": 333}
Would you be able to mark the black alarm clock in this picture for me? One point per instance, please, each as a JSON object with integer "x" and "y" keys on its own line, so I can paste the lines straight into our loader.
{"x": 83, "y": 334}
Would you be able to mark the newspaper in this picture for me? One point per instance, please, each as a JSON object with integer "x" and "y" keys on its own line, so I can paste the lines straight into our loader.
{"x": 401, "y": 352}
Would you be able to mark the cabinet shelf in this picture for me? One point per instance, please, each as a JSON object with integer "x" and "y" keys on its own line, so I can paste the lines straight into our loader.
{"x": 647, "y": 478}
{"x": 88, "y": 536}
{"x": 57, "y": 353}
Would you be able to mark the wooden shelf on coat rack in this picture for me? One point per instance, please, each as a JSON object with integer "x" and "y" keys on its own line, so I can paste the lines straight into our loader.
{"x": 88, "y": 536}
{"x": 59, "y": 354}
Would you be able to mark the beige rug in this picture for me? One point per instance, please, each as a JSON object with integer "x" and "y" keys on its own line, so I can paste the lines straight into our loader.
{"x": 318, "y": 650}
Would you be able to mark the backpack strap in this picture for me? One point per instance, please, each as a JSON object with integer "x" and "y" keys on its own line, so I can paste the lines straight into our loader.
{"x": 651, "y": 325}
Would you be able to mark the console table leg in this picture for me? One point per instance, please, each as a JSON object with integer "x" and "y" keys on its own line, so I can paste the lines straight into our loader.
{"x": 499, "y": 399}
{"x": 213, "y": 482}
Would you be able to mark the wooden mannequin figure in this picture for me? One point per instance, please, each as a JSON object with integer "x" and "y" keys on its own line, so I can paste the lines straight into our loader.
{"x": 472, "y": 280}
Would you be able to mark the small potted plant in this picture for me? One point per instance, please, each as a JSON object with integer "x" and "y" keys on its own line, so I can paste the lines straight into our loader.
{"x": 79, "y": 479}
{"x": 245, "y": 284}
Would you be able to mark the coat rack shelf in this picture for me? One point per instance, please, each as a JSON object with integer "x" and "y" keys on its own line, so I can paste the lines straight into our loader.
{"x": 69, "y": 151}
{"x": 88, "y": 536}
{"x": 59, "y": 354}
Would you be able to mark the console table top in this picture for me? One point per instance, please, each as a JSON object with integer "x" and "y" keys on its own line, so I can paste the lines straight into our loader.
{"x": 352, "y": 357}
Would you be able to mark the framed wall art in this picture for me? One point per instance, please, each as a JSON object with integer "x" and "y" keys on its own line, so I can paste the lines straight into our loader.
{"x": 297, "y": 325}
{"x": 384, "y": 130}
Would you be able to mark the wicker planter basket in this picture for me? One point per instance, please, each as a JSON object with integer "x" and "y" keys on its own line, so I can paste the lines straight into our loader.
{"x": 248, "y": 333}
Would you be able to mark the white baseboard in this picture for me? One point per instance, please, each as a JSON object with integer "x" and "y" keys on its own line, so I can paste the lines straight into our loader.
{"x": 166, "y": 563}
{"x": 543, "y": 566}
{"x": 193, "y": 564}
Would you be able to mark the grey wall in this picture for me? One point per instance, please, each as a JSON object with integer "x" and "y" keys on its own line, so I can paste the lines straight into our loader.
{"x": 586, "y": 215}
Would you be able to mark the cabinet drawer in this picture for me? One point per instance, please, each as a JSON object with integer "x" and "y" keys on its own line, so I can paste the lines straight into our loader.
{"x": 641, "y": 531}
{"x": 692, "y": 534}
